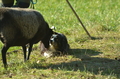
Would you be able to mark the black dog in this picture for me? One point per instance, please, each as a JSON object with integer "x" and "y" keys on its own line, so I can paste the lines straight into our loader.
{"x": 58, "y": 45}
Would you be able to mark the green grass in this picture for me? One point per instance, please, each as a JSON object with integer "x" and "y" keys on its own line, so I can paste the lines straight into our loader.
{"x": 88, "y": 59}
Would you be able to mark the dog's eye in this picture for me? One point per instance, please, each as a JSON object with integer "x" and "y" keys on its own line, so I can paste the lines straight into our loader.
{"x": 52, "y": 37}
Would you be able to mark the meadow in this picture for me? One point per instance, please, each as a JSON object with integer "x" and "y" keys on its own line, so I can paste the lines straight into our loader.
{"x": 97, "y": 58}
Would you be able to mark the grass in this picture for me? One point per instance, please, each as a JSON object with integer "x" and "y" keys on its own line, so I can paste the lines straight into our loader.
{"x": 87, "y": 59}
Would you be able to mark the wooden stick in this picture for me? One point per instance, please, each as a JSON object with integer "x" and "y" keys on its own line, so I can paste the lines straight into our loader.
{"x": 79, "y": 19}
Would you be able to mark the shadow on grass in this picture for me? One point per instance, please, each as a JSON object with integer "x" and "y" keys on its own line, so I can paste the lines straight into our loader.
{"x": 96, "y": 38}
{"x": 86, "y": 62}
{"x": 79, "y": 52}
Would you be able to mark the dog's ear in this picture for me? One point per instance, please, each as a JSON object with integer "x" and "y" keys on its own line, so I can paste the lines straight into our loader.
{"x": 65, "y": 45}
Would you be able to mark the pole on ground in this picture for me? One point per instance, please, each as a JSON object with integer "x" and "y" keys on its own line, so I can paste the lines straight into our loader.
{"x": 79, "y": 19}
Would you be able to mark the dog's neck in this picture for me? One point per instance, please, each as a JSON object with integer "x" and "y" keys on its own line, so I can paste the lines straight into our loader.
{"x": 51, "y": 48}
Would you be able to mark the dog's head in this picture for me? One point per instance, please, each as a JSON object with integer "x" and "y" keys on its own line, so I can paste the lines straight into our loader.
{"x": 55, "y": 41}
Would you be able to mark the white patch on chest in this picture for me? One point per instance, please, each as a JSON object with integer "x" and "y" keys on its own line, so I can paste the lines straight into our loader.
{"x": 48, "y": 54}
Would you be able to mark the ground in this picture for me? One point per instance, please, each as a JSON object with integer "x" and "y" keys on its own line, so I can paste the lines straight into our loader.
{"x": 96, "y": 58}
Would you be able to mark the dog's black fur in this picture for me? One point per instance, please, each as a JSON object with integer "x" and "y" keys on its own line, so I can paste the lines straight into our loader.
{"x": 58, "y": 45}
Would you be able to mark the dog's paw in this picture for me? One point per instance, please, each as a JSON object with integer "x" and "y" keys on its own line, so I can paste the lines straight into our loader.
{"x": 47, "y": 54}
